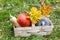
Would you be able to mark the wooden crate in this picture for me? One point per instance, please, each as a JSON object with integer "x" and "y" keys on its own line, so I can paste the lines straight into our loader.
{"x": 33, "y": 30}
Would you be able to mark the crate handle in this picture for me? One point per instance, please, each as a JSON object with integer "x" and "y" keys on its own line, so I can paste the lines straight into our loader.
{"x": 33, "y": 25}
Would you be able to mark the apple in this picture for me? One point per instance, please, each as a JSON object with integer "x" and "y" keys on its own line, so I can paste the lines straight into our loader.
{"x": 23, "y": 20}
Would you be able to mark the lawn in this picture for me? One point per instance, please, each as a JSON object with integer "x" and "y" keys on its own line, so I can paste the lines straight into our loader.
{"x": 15, "y": 7}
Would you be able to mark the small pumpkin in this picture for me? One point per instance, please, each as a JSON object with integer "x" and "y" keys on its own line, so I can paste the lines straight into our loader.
{"x": 23, "y": 20}
{"x": 45, "y": 20}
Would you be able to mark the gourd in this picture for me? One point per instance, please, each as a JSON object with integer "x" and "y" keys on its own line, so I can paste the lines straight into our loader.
{"x": 14, "y": 21}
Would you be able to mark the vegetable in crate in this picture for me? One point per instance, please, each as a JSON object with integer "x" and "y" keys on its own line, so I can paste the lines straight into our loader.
{"x": 45, "y": 20}
{"x": 35, "y": 15}
{"x": 23, "y": 20}
{"x": 45, "y": 9}
{"x": 14, "y": 21}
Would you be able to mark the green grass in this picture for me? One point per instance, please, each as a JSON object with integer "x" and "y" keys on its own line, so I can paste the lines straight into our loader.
{"x": 15, "y": 7}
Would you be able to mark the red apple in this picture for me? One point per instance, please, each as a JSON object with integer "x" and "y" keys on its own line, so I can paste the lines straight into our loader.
{"x": 23, "y": 20}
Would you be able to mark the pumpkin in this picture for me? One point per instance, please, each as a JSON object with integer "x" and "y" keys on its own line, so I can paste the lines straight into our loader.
{"x": 23, "y": 20}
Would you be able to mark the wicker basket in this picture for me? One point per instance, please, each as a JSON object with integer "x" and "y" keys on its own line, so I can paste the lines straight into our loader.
{"x": 33, "y": 30}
